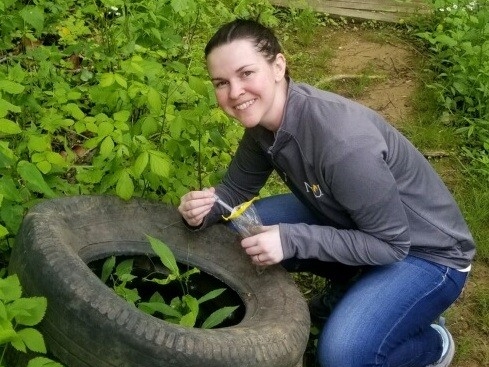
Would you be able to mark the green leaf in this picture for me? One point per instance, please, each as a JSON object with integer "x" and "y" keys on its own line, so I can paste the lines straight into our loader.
{"x": 28, "y": 311}
{"x": 33, "y": 177}
{"x": 56, "y": 158}
{"x": 3, "y": 231}
{"x": 170, "y": 278}
{"x": 7, "y": 156}
{"x": 154, "y": 101}
{"x": 191, "y": 317}
{"x": 120, "y": 80}
{"x": 189, "y": 272}
{"x": 6, "y": 107}
{"x": 9, "y": 189}
{"x": 74, "y": 111}
{"x": 7, "y": 332}
{"x": 10, "y": 288}
{"x": 89, "y": 175}
{"x": 18, "y": 344}
{"x": 33, "y": 340}
{"x": 125, "y": 267}
{"x": 122, "y": 116}
{"x": 165, "y": 254}
{"x": 9, "y": 127}
{"x": 163, "y": 308}
{"x": 446, "y": 40}
{"x": 44, "y": 166}
{"x": 149, "y": 125}
{"x": 130, "y": 295}
{"x": 125, "y": 186}
{"x": 176, "y": 127}
{"x": 11, "y": 87}
{"x": 3, "y": 312}
{"x": 39, "y": 143}
{"x": 34, "y": 16}
{"x": 43, "y": 362}
{"x": 159, "y": 164}
{"x": 107, "y": 268}
{"x": 218, "y": 317}
{"x": 211, "y": 295}
{"x": 107, "y": 79}
{"x": 217, "y": 140}
{"x": 140, "y": 164}
{"x": 106, "y": 147}
{"x": 198, "y": 85}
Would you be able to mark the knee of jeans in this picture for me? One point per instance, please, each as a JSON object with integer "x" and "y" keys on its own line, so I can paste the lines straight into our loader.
{"x": 341, "y": 347}
{"x": 332, "y": 351}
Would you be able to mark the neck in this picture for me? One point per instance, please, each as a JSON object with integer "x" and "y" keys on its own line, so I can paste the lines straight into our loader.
{"x": 275, "y": 119}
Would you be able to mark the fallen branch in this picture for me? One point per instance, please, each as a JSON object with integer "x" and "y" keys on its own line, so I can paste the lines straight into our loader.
{"x": 349, "y": 76}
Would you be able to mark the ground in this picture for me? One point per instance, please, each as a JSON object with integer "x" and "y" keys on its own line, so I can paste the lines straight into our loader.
{"x": 391, "y": 66}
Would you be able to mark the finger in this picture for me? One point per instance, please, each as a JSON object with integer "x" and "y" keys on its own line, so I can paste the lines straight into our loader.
{"x": 253, "y": 251}
{"x": 259, "y": 260}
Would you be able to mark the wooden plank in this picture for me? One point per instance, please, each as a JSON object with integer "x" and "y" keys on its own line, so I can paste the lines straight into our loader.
{"x": 390, "y": 6}
{"x": 382, "y": 10}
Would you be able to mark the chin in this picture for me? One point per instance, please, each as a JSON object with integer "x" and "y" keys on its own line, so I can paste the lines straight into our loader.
{"x": 248, "y": 123}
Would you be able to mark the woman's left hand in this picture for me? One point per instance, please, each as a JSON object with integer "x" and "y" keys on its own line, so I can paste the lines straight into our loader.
{"x": 264, "y": 248}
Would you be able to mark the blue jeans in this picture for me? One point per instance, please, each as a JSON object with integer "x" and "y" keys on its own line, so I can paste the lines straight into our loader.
{"x": 384, "y": 317}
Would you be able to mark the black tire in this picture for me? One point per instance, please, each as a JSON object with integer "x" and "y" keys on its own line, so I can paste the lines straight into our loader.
{"x": 87, "y": 324}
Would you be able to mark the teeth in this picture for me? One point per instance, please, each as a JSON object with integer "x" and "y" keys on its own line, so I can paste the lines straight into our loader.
{"x": 242, "y": 106}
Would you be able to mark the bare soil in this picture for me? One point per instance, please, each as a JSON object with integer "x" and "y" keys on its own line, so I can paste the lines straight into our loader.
{"x": 390, "y": 66}
{"x": 393, "y": 79}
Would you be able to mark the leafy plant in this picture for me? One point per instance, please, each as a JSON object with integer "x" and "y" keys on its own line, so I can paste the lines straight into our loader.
{"x": 17, "y": 316}
{"x": 183, "y": 310}
{"x": 458, "y": 38}
{"x": 109, "y": 97}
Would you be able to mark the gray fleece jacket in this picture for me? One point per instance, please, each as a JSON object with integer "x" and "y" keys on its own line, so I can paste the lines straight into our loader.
{"x": 349, "y": 166}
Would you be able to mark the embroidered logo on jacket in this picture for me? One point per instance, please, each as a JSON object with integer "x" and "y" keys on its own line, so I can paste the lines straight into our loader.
{"x": 315, "y": 189}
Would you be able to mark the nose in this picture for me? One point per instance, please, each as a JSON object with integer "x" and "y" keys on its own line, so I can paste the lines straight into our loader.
{"x": 236, "y": 90}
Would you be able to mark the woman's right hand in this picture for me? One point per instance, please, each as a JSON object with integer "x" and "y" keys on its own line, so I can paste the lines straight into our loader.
{"x": 195, "y": 205}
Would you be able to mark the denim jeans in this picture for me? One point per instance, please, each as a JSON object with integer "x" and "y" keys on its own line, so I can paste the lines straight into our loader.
{"x": 384, "y": 318}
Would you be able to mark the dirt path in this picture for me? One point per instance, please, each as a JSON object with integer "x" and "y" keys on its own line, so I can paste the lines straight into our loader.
{"x": 391, "y": 67}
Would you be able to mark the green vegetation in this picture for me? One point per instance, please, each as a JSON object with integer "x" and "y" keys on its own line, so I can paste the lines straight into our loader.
{"x": 184, "y": 310}
{"x": 112, "y": 97}
{"x": 17, "y": 316}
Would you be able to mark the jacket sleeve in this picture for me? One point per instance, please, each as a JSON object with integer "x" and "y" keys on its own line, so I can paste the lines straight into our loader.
{"x": 246, "y": 175}
{"x": 362, "y": 183}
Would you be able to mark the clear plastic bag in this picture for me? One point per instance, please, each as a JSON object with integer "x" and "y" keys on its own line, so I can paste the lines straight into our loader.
{"x": 248, "y": 223}
{"x": 244, "y": 218}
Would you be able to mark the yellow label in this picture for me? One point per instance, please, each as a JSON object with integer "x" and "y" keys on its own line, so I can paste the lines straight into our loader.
{"x": 237, "y": 211}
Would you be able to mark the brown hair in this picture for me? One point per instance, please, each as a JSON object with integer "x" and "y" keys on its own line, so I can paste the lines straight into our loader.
{"x": 263, "y": 38}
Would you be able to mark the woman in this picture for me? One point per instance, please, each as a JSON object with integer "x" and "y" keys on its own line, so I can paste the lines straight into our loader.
{"x": 366, "y": 209}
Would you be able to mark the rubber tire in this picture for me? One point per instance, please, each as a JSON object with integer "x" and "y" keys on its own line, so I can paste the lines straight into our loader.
{"x": 87, "y": 324}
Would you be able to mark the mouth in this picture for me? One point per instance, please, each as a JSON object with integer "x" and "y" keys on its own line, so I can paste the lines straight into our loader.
{"x": 245, "y": 105}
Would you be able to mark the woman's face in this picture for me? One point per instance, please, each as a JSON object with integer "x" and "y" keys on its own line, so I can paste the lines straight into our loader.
{"x": 248, "y": 87}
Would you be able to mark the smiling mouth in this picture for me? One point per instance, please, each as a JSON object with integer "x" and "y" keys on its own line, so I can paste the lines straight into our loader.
{"x": 245, "y": 105}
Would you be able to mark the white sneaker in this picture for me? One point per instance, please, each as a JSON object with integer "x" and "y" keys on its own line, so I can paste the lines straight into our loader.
{"x": 448, "y": 344}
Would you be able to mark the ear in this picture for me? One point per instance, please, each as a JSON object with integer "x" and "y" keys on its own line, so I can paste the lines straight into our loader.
{"x": 279, "y": 67}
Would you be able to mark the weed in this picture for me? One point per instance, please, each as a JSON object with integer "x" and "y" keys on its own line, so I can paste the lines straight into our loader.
{"x": 17, "y": 316}
{"x": 184, "y": 310}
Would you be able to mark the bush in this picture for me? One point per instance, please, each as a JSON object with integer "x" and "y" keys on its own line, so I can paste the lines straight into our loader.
{"x": 109, "y": 97}
{"x": 458, "y": 38}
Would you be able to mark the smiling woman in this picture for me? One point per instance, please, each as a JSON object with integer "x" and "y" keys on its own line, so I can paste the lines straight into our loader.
{"x": 363, "y": 200}
{"x": 250, "y": 86}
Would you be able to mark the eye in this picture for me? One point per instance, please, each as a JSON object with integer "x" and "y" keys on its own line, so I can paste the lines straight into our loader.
{"x": 220, "y": 84}
{"x": 247, "y": 73}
